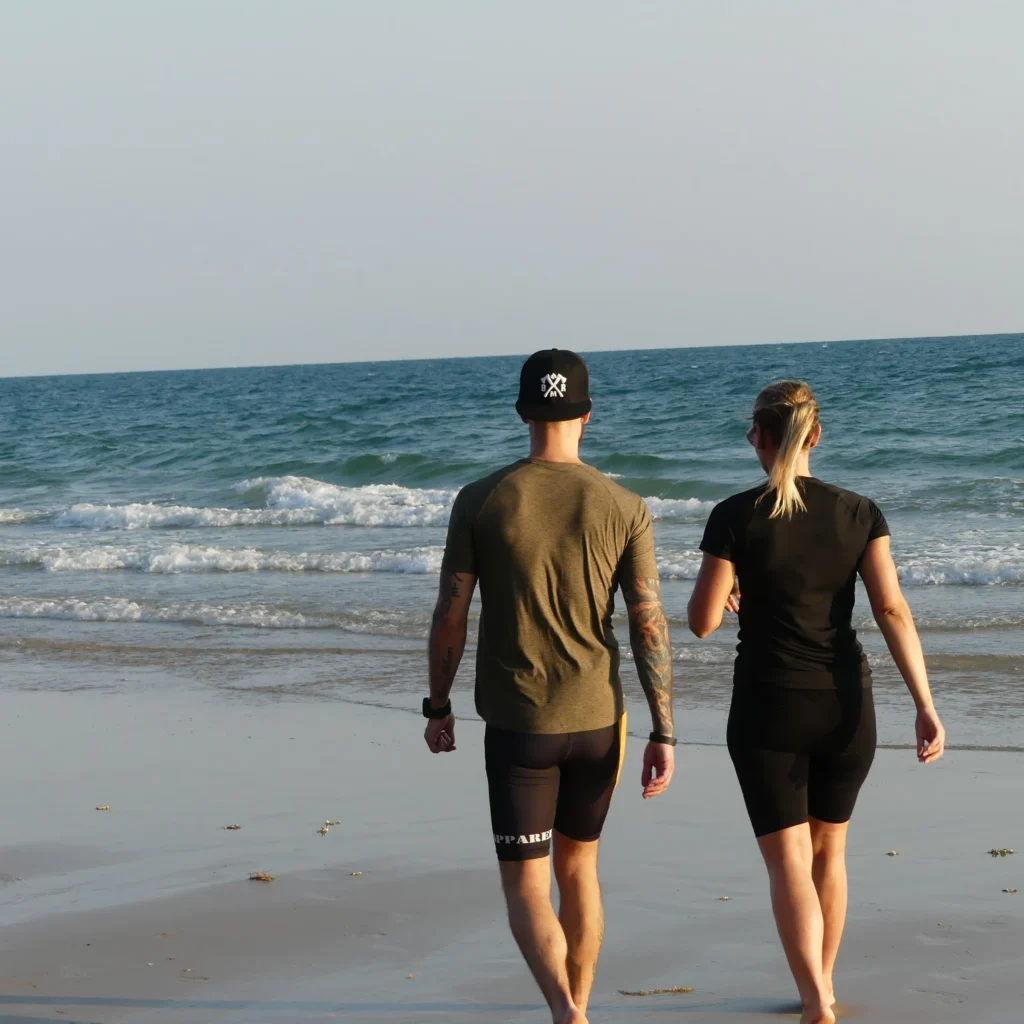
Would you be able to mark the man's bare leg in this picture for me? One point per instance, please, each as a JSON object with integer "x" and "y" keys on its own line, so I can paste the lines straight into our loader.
{"x": 527, "y": 886}
{"x": 580, "y": 912}
{"x": 829, "y": 844}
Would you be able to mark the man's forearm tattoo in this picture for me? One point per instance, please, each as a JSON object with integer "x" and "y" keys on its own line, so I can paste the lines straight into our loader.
{"x": 444, "y": 657}
{"x": 451, "y": 588}
{"x": 652, "y": 648}
{"x": 448, "y": 665}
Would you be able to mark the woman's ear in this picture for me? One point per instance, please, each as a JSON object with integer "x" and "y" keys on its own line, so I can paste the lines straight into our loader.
{"x": 815, "y": 435}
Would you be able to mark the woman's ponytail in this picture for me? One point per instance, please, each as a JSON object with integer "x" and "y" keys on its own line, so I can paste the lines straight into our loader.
{"x": 789, "y": 412}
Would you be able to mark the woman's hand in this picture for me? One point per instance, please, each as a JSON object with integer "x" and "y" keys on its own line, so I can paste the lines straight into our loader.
{"x": 931, "y": 736}
{"x": 732, "y": 602}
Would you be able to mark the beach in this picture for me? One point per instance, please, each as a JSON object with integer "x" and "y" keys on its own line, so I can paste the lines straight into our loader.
{"x": 215, "y": 589}
{"x": 146, "y": 913}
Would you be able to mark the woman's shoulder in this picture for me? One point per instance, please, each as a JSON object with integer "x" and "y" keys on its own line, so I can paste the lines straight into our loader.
{"x": 843, "y": 495}
{"x": 740, "y": 505}
{"x": 861, "y": 510}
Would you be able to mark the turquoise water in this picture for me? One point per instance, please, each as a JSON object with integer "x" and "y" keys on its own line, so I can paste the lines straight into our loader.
{"x": 277, "y": 531}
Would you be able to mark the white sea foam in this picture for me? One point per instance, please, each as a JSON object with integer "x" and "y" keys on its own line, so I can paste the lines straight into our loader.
{"x": 206, "y": 613}
{"x": 190, "y": 558}
{"x": 678, "y": 508}
{"x": 965, "y": 564}
{"x": 110, "y": 609}
{"x": 139, "y": 516}
{"x": 681, "y": 566}
{"x": 14, "y": 516}
{"x": 372, "y": 505}
{"x": 288, "y": 501}
{"x": 302, "y": 501}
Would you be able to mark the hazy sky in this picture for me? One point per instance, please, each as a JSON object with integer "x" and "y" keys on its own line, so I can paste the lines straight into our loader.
{"x": 220, "y": 183}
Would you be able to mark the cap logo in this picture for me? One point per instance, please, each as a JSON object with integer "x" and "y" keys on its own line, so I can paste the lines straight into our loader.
{"x": 553, "y": 385}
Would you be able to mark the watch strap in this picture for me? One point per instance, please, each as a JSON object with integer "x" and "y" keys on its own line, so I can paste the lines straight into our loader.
{"x": 658, "y": 737}
{"x": 432, "y": 712}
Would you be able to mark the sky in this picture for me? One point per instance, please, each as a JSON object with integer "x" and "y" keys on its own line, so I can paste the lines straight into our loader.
{"x": 235, "y": 182}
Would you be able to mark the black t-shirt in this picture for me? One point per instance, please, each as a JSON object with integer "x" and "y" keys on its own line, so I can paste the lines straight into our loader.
{"x": 797, "y": 579}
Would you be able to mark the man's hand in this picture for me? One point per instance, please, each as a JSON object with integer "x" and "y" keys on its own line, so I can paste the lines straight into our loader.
{"x": 659, "y": 764}
{"x": 440, "y": 735}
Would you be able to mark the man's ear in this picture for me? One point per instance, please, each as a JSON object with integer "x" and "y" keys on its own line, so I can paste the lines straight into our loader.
{"x": 585, "y": 419}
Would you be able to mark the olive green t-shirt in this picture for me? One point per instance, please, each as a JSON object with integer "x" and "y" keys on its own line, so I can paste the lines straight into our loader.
{"x": 549, "y": 542}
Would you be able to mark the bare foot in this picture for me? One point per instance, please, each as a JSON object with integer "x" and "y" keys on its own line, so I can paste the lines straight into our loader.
{"x": 820, "y": 1015}
{"x": 574, "y": 1016}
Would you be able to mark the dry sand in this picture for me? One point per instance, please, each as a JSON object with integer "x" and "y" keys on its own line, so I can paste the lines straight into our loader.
{"x": 94, "y": 904}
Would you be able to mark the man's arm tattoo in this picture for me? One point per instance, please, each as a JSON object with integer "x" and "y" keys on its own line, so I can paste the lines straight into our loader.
{"x": 451, "y": 588}
{"x": 445, "y": 650}
{"x": 652, "y": 648}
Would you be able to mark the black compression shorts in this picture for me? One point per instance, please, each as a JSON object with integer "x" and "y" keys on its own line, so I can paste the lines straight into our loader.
{"x": 542, "y": 782}
{"x": 800, "y": 753}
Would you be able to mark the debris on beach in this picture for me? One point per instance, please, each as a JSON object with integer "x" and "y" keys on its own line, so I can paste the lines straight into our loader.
{"x": 260, "y": 876}
{"x": 724, "y": 898}
{"x": 409, "y": 977}
{"x": 357, "y": 874}
{"x": 328, "y": 824}
{"x": 674, "y": 991}
{"x": 323, "y": 830}
{"x": 1012, "y": 892}
{"x": 232, "y": 828}
{"x": 893, "y": 853}
{"x": 103, "y": 807}
{"x": 1000, "y": 853}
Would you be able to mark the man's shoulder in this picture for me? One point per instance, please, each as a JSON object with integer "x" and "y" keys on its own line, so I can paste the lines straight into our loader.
{"x": 474, "y": 494}
{"x": 629, "y": 503}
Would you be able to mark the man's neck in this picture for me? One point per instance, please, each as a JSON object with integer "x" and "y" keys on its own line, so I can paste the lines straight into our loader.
{"x": 555, "y": 453}
{"x": 554, "y": 446}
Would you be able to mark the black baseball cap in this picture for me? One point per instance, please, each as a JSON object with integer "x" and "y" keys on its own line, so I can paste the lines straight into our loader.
{"x": 554, "y": 385}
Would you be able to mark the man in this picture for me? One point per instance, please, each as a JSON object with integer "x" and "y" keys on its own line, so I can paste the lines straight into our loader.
{"x": 550, "y": 539}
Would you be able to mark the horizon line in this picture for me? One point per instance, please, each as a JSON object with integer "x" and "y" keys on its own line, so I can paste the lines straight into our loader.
{"x": 506, "y": 355}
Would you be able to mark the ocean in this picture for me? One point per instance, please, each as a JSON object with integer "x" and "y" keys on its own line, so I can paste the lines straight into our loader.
{"x": 276, "y": 533}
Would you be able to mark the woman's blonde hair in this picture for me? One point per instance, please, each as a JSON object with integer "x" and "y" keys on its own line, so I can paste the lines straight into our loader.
{"x": 788, "y": 411}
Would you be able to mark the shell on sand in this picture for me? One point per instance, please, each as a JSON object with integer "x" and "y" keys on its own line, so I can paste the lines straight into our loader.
{"x": 674, "y": 990}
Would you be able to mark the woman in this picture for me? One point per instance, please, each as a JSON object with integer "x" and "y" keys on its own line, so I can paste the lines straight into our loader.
{"x": 802, "y": 724}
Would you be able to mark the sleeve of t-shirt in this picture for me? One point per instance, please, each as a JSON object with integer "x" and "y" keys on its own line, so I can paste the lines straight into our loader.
{"x": 719, "y": 536}
{"x": 877, "y": 526}
{"x": 638, "y": 561}
{"x": 459, "y": 551}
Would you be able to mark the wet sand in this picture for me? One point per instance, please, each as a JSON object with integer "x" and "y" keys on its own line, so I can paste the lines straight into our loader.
{"x": 90, "y": 899}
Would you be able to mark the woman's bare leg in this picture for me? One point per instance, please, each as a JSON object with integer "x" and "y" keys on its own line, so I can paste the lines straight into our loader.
{"x": 789, "y": 858}
{"x": 828, "y": 842}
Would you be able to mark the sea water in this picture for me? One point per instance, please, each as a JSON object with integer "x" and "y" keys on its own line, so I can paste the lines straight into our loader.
{"x": 276, "y": 533}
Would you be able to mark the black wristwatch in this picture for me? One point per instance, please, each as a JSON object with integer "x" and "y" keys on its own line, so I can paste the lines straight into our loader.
{"x": 657, "y": 737}
{"x": 431, "y": 712}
